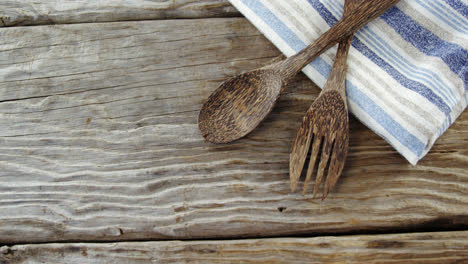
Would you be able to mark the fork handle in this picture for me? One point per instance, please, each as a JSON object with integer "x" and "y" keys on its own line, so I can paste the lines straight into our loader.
{"x": 337, "y": 78}
{"x": 348, "y": 24}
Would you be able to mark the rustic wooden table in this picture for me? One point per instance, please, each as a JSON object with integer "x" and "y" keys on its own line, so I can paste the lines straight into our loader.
{"x": 101, "y": 159}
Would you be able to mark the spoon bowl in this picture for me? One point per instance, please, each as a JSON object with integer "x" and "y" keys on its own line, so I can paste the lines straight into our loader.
{"x": 236, "y": 107}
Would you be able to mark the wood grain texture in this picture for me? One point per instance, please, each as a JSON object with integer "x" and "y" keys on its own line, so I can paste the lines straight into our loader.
{"x": 425, "y": 248}
{"x": 99, "y": 142}
{"x": 46, "y": 12}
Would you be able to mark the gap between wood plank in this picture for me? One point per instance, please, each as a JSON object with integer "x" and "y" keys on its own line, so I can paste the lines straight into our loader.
{"x": 2, "y": 23}
{"x": 416, "y": 230}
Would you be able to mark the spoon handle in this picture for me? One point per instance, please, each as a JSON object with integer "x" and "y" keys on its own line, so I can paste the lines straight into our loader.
{"x": 347, "y": 25}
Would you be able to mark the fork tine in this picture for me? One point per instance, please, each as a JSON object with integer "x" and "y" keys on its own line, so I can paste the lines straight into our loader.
{"x": 333, "y": 174}
{"x": 336, "y": 166}
{"x": 313, "y": 157}
{"x": 323, "y": 163}
{"x": 299, "y": 152}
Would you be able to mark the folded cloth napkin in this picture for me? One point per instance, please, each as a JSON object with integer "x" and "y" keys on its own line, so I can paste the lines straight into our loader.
{"x": 407, "y": 70}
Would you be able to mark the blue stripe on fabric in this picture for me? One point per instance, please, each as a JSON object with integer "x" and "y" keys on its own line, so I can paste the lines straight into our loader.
{"x": 377, "y": 43}
{"x": 453, "y": 55}
{"x": 450, "y": 13}
{"x": 336, "y": 7}
{"x": 374, "y": 110}
{"x": 461, "y": 7}
{"x": 277, "y": 25}
{"x": 383, "y": 119}
{"x": 285, "y": 33}
{"x": 431, "y": 77}
{"x": 410, "y": 84}
{"x": 440, "y": 12}
{"x": 464, "y": 77}
{"x": 403, "y": 80}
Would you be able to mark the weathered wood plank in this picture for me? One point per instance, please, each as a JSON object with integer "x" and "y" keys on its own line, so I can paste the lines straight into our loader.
{"x": 426, "y": 248}
{"x": 99, "y": 141}
{"x": 42, "y": 12}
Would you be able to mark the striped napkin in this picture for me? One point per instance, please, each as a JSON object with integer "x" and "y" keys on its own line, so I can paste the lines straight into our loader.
{"x": 407, "y": 70}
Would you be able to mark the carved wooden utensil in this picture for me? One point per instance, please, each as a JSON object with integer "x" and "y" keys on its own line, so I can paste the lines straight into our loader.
{"x": 241, "y": 103}
{"x": 324, "y": 128}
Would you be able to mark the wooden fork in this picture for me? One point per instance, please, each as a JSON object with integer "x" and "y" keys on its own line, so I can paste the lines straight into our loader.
{"x": 324, "y": 129}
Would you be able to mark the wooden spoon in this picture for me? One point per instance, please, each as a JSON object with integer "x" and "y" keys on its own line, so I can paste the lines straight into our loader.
{"x": 241, "y": 103}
